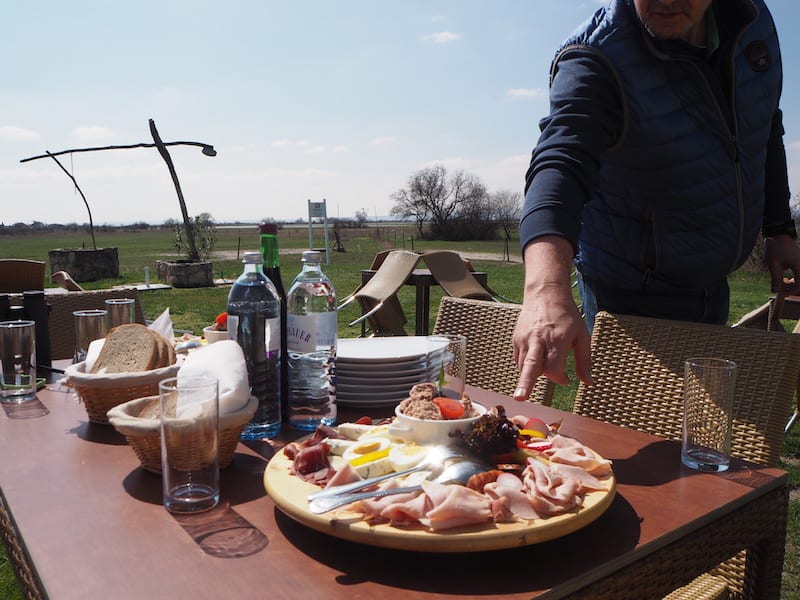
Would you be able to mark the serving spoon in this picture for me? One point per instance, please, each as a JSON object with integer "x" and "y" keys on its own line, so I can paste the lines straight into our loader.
{"x": 457, "y": 473}
{"x": 435, "y": 458}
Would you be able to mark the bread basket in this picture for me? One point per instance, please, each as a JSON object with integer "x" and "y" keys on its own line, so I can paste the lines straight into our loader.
{"x": 101, "y": 392}
{"x": 144, "y": 434}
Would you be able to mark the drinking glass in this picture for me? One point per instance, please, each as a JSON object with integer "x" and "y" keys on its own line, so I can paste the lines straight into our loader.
{"x": 90, "y": 325}
{"x": 708, "y": 413}
{"x": 189, "y": 443}
{"x": 17, "y": 361}
{"x": 120, "y": 311}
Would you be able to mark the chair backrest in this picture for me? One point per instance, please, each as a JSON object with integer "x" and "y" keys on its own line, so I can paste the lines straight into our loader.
{"x": 453, "y": 276}
{"x": 489, "y": 329}
{"x": 638, "y": 370}
{"x": 61, "y": 324}
{"x": 20, "y": 275}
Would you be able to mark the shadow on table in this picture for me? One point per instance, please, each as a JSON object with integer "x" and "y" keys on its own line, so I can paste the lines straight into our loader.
{"x": 515, "y": 570}
{"x": 649, "y": 466}
{"x": 221, "y": 531}
{"x": 99, "y": 434}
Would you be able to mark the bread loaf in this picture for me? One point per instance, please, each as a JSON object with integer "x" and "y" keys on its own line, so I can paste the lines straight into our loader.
{"x": 133, "y": 347}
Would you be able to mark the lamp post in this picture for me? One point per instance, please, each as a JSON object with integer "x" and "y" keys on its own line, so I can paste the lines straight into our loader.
{"x": 207, "y": 149}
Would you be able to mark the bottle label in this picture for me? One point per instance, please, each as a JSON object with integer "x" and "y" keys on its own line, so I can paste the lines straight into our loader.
{"x": 307, "y": 333}
{"x": 272, "y": 335}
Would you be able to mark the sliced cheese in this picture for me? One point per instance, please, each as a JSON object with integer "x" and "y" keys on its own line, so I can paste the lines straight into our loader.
{"x": 375, "y": 468}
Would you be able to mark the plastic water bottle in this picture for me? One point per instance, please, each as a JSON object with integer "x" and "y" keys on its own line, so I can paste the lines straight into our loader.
{"x": 311, "y": 343}
{"x": 254, "y": 322}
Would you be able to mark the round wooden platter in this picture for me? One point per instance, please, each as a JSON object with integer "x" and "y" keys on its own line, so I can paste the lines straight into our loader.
{"x": 289, "y": 494}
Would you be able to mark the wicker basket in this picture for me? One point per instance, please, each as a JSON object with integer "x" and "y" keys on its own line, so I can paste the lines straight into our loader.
{"x": 144, "y": 436}
{"x": 100, "y": 393}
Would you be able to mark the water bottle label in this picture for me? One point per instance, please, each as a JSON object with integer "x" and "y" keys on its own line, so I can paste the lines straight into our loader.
{"x": 307, "y": 333}
{"x": 233, "y": 327}
{"x": 272, "y": 335}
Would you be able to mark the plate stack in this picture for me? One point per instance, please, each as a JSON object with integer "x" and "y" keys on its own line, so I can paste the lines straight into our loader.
{"x": 380, "y": 371}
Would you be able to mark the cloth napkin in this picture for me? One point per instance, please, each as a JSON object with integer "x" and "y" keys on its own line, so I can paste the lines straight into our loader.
{"x": 224, "y": 361}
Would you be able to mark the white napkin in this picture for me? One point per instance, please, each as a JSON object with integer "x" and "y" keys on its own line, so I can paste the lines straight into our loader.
{"x": 223, "y": 361}
{"x": 163, "y": 325}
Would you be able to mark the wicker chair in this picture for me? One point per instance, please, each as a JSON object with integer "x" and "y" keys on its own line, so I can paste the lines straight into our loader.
{"x": 378, "y": 297}
{"x": 489, "y": 327}
{"x": 62, "y": 328}
{"x": 28, "y": 583}
{"x": 19, "y": 275}
{"x": 637, "y": 367}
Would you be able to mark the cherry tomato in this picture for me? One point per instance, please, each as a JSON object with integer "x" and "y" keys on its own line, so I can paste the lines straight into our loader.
{"x": 450, "y": 408}
{"x": 222, "y": 320}
{"x": 364, "y": 421}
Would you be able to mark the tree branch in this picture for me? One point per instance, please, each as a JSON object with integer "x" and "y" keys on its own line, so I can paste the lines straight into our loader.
{"x": 77, "y": 187}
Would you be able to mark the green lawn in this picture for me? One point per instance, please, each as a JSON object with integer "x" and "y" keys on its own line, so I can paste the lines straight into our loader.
{"x": 194, "y": 308}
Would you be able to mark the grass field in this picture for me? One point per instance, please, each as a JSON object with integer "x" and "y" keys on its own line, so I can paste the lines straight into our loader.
{"x": 194, "y": 308}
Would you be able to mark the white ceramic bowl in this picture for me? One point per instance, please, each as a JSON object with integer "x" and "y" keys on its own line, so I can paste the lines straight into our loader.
{"x": 214, "y": 335}
{"x": 429, "y": 431}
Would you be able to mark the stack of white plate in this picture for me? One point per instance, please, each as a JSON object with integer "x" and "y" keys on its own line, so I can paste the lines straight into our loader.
{"x": 379, "y": 371}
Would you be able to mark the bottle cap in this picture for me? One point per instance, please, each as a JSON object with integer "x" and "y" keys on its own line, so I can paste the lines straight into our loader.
{"x": 270, "y": 228}
{"x": 311, "y": 256}
{"x": 252, "y": 258}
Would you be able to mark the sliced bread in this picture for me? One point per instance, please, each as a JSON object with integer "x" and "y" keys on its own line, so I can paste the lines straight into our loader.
{"x": 128, "y": 348}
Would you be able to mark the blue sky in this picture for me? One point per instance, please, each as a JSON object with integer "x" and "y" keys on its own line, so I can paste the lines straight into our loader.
{"x": 303, "y": 99}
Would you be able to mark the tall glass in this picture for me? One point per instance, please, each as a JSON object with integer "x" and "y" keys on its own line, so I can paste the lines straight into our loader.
{"x": 189, "y": 443}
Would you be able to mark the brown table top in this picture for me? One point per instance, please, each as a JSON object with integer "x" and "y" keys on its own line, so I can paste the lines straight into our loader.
{"x": 94, "y": 525}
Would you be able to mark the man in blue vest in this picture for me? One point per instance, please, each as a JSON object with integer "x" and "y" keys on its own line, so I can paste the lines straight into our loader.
{"x": 661, "y": 159}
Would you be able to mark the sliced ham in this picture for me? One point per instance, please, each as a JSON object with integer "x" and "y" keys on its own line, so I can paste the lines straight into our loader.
{"x": 454, "y": 506}
{"x": 311, "y": 458}
{"x": 347, "y": 474}
{"x": 569, "y": 451}
{"x": 510, "y": 487}
{"x": 501, "y": 510}
{"x": 586, "y": 480}
{"x": 551, "y": 492}
{"x": 408, "y": 512}
{"x": 373, "y": 507}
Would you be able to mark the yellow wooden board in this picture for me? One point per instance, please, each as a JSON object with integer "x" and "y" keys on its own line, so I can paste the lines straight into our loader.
{"x": 289, "y": 494}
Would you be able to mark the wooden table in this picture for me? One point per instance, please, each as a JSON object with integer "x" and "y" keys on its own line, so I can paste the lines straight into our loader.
{"x": 422, "y": 280}
{"x": 93, "y": 526}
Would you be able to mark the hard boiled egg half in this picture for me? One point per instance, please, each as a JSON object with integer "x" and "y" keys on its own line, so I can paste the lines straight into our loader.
{"x": 406, "y": 456}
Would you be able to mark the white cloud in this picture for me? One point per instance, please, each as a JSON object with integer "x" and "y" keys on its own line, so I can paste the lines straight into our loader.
{"x": 379, "y": 141}
{"x": 11, "y": 132}
{"x": 92, "y": 133}
{"x": 303, "y": 143}
{"x": 319, "y": 149}
{"x": 280, "y": 143}
{"x": 794, "y": 146}
{"x": 442, "y": 37}
{"x": 340, "y": 148}
{"x": 520, "y": 93}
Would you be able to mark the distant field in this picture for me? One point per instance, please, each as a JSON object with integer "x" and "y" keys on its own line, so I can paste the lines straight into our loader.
{"x": 192, "y": 309}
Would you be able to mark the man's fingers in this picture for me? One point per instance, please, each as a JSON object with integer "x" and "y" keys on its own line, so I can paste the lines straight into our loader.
{"x": 529, "y": 370}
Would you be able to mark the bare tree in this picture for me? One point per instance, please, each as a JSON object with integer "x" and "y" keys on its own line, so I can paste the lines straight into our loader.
{"x": 432, "y": 196}
{"x": 506, "y": 207}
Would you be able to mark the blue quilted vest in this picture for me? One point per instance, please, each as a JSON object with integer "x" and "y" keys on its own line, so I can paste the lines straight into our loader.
{"x": 681, "y": 196}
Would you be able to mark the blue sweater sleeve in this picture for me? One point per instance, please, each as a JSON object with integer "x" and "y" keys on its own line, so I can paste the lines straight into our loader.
{"x": 776, "y": 189}
{"x": 585, "y": 120}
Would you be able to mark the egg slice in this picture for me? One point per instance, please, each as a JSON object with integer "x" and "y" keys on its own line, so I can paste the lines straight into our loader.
{"x": 406, "y": 456}
{"x": 365, "y": 447}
